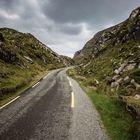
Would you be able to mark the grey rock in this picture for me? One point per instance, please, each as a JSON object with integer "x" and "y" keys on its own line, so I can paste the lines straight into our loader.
{"x": 119, "y": 80}
{"x": 137, "y": 96}
{"x": 134, "y": 14}
{"x": 135, "y": 84}
{"x": 120, "y": 69}
{"x": 28, "y": 59}
{"x": 126, "y": 78}
{"x": 115, "y": 77}
{"x": 139, "y": 66}
{"x": 130, "y": 67}
{"x": 114, "y": 84}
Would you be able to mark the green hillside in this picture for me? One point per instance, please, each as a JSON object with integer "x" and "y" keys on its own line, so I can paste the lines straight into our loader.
{"x": 110, "y": 64}
{"x": 23, "y": 60}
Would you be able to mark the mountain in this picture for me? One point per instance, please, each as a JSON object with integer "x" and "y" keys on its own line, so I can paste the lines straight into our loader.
{"x": 22, "y": 59}
{"x": 111, "y": 37}
{"x": 67, "y": 60}
{"x": 111, "y": 61}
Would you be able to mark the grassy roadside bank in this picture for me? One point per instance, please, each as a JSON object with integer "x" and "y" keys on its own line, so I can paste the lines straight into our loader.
{"x": 24, "y": 87}
{"x": 119, "y": 123}
{"x": 116, "y": 120}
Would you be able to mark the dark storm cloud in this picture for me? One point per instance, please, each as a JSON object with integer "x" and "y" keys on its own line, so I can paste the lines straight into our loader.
{"x": 70, "y": 29}
{"x": 8, "y": 3}
{"x": 90, "y": 11}
{"x": 64, "y": 25}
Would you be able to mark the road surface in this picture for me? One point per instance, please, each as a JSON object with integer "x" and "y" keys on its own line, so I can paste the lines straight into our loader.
{"x": 56, "y": 108}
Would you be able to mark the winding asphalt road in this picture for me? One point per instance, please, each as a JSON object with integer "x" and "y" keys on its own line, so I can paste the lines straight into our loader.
{"x": 56, "y": 108}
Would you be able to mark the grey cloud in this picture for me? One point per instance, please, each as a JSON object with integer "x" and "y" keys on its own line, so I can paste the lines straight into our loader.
{"x": 70, "y": 29}
{"x": 97, "y": 12}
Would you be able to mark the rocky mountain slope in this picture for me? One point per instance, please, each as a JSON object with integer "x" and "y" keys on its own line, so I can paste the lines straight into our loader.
{"x": 67, "y": 60}
{"x": 111, "y": 61}
{"x": 119, "y": 34}
{"x": 22, "y": 58}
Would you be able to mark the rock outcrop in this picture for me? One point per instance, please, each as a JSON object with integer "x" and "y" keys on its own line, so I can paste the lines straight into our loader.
{"x": 118, "y": 34}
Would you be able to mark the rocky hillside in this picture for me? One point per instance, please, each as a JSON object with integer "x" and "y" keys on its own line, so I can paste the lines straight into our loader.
{"x": 67, "y": 60}
{"x": 22, "y": 58}
{"x": 111, "y": 37}
{"x": 111, "y": 61}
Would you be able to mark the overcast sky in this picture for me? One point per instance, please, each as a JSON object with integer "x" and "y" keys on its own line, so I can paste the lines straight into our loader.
{"x": 64, "y": 25}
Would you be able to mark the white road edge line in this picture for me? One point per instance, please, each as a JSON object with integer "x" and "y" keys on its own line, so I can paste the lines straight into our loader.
{"x": 35, "y": 84}
{"x": 72, "y": 99}
{"x": 9, "y": 102}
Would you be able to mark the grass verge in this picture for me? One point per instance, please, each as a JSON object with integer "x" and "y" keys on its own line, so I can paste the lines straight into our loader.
{"x": 9, "y": 97}
{"x": 116, "y": 120}
{"x": 120, "y": 125}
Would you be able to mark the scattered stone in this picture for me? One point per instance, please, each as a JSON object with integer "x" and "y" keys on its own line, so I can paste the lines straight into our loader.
{"x": 137, "y": 96}
{"x": 93, "y": 87}
{"x": 115, "y": 77}
{"x": 44, "y": 60}
{"x": 114, "y": 84}
{"x": 97, "y": 82}
{"x": 135, "y": 84}
{"x": 126, "y": 78}
{"x": 29, "y": 59}
{"x": 112, "y": 90}
{"x": 119, "y": 80}
{"x": 130, "y": 67}
{"x": 139, "y": 66}
{"x": 131, "y": 61}
{"x": 131, "y": 54}
{"x": 87, "y": 64}
{"x": 120, "y": 69}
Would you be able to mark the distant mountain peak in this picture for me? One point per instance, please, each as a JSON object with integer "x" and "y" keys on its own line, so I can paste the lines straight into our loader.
{"x": 135, "y": 13}
{"x": 118, "y": 34}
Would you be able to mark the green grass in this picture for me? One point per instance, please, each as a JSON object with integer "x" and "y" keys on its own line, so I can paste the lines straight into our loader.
{"x": 120, "y": 125}
{"x": 17, "y": 72}
{"x": 14, "y": 80}
{"x": 24, "y": 85}
{"x": 116, "y": 120}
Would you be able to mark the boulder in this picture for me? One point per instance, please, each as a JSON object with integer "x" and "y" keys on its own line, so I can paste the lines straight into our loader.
{"x": 28, "y": 59}
{"x": 126, "y": 78}
{"x": 135, "y": 84}
{"x": 115, "y": 77}
{"x": 130, "y": 67}
{"x": 137, "y": 96}
{"x": 114, "y": 84}
{"x": 120, "y": 69}
{"x": 119, "y": 80}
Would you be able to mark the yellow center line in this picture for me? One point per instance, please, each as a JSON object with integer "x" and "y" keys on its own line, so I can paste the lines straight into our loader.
{"x": 72, "y": 99}
{"x": 9, "y": 102}
{"x": 35, "y": 84}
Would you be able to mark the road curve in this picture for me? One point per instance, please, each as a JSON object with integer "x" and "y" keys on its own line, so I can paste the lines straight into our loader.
{"x": 56, "y": 108}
